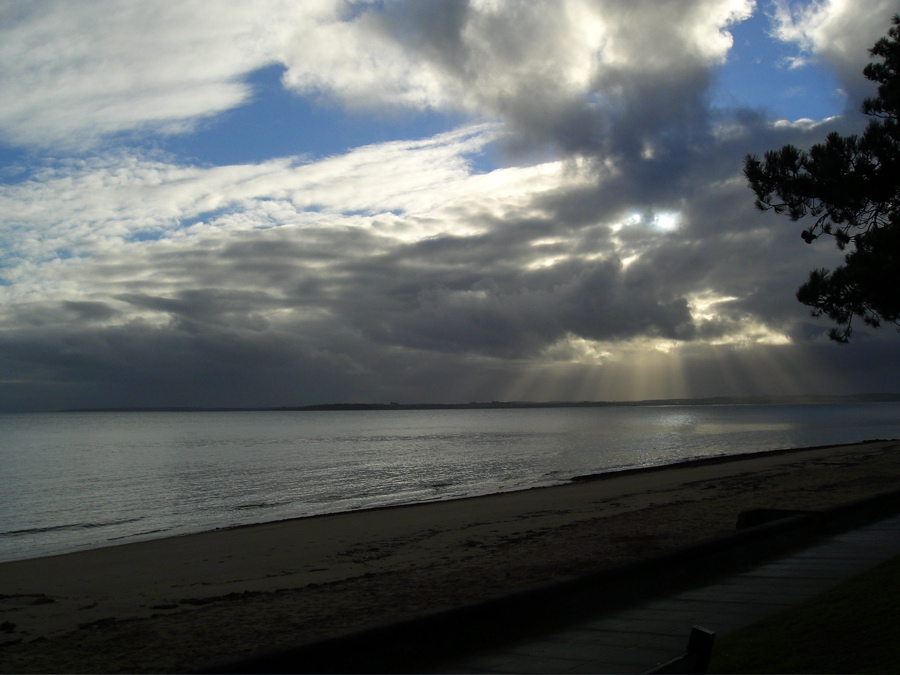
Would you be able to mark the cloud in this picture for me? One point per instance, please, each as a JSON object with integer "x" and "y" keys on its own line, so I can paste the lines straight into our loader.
{"x": 582, "y": 76}
{"x": 88, "y": 207}
{"x": 72, "y": 75}
{"x": 616, "y": 255}
{"x": 561, "y": 72}
{"x": 836, "y": 34}
{"x": 352, "y": 278}
{"x": 570, "y": 74}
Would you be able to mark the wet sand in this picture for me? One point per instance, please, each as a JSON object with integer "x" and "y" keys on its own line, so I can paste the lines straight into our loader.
{"x": 173, "y": 604}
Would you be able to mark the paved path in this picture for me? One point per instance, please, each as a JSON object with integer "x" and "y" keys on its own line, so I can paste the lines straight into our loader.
{"x": 636, "y": 639}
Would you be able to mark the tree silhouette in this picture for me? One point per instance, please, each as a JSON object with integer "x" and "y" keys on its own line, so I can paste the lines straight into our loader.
{"x": 850, "y": 187}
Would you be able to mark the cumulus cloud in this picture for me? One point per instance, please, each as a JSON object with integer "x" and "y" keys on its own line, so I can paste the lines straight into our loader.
{"x": 572, "y": 74}
{"x": 75, "y": 74}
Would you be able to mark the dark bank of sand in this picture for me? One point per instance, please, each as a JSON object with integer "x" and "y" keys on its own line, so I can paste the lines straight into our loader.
{"x": 172, "y": 604}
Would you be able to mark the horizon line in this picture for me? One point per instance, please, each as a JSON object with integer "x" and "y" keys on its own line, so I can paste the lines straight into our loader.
{"x": 474, "y": 405}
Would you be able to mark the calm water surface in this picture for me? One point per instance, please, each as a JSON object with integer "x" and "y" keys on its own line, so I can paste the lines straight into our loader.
{"x": 80, "y": 480}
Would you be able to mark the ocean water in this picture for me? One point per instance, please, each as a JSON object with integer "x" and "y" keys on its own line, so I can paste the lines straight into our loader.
{"x": 73, "y": 481}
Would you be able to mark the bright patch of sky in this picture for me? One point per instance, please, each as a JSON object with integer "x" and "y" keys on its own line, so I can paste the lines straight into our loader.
{"x": 763, "y": 72}
{"x": 280, "y": 123}
{"x": 277, "y": 122}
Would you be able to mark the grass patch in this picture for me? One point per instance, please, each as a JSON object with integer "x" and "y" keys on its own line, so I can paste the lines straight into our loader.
{"x": 851, "y": 628}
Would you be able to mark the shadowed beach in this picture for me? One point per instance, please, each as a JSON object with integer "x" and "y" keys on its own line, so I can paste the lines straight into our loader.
{"x": 173, "y": 604}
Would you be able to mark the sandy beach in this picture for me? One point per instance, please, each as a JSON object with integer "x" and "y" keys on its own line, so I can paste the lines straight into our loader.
{"x": 173, "y": 604}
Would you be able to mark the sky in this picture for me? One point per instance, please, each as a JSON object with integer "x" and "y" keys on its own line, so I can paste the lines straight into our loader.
{"x": 275, "y": 203}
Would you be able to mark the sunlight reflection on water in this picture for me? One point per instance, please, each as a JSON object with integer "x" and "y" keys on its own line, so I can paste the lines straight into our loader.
{"x": 78, "y": 480}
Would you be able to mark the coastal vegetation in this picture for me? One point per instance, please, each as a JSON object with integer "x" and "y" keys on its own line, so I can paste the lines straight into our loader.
{"x": 848, "y": 185}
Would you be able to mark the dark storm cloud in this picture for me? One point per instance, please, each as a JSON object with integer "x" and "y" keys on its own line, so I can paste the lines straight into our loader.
{"x": 210, "y": 307}
{"x": 644, "y": 83}
{"x": 516, "y": 316}
{"x": 142, "y": 365}
{"x": 468, "y": 294}
{"x": 90, "y": 311}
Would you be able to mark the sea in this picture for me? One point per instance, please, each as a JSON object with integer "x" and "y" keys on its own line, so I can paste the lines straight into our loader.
{"x": 78, "y": 480}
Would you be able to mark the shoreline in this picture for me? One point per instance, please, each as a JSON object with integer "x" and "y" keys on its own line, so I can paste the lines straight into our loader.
{"x": 169, "y": 603}
{"x": 602, "y": 475}
{"x": 722, "y": 459}
{"x": 580, "y": 478}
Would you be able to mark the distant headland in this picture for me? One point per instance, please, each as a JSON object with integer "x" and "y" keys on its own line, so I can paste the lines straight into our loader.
{"x": 490, "y": 405}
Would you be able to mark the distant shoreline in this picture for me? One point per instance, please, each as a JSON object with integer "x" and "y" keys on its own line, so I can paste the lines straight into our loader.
{"x": 501, "y": 405}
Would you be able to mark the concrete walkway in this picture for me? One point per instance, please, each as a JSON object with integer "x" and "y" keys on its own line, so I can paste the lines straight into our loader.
{"x": 626, "y": 619}
{"x": 636, "y": 639}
